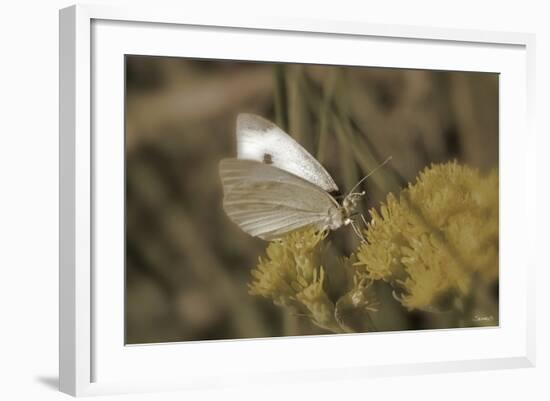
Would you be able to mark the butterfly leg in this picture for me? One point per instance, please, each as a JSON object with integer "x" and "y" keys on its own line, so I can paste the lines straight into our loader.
{"x": 364, "y": 221}
{"x": 358, "y": 232}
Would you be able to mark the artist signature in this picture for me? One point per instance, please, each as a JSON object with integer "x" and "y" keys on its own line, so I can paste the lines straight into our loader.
{"x": 482, "y": 318}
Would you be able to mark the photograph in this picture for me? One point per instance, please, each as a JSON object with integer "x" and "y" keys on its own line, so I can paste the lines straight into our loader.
{"x": 270, "y": 199}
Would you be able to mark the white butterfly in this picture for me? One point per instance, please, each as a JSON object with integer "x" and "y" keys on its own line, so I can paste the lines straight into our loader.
{"x": 275, "y": 186}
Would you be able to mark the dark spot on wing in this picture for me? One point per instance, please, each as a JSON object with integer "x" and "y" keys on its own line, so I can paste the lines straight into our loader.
{"x": 268, "y": 159}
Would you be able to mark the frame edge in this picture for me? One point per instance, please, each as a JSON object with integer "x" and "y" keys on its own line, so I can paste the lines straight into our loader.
{"x": 67, "y": 113}
{"x": 75, "y": 357}
{"x": 530, "y": 46}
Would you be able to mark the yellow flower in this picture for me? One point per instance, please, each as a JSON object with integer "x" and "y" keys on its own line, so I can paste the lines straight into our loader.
{"x": 434, "y": 238}
{"x": 291, "y": 276}
{"x": 319, "y": 306}
{"x": 353, "y": 308}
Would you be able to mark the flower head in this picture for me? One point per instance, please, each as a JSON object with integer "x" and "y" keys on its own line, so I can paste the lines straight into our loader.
{"x": 292, "y": 276}
{"x": 434, "y": 238}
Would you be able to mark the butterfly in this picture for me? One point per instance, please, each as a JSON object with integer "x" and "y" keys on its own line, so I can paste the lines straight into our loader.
{"x": 275, "y": 186}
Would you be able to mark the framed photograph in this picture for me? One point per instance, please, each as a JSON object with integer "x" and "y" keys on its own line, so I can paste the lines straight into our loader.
{"x": 260, "y": 200}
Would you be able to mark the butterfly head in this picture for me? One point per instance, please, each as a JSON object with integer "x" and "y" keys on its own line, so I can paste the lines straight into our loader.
{"x": 351, "y": 201}
{"x": 342, "y": 215}
{"x": 349, "y": 205}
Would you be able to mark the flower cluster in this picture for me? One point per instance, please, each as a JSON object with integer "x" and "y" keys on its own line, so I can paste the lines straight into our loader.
{"x": 436, "y": 237}
{"x": 292, "y": 276}
{"x": 436, "y": 244}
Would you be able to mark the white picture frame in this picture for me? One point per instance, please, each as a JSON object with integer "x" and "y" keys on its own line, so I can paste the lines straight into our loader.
{"x": 93, "y": 357}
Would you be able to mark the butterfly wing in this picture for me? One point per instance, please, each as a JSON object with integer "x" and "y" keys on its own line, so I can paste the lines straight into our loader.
{"x": 261, "y": 140}
{"x": 268, "y": 202}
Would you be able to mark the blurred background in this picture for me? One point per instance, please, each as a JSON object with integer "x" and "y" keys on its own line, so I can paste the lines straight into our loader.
{"x": 187, "y": 264}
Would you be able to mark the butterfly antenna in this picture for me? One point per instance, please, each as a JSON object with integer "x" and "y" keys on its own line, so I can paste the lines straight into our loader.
{"x": 370, "y": 173}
